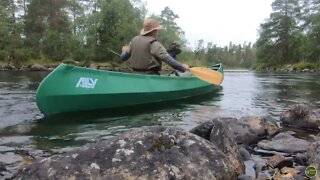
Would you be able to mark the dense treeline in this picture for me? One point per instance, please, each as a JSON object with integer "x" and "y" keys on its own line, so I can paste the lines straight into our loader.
{"x": 291, "y": 34}
{"x": 61, "y": 29}
{"x": 82, "y": 30}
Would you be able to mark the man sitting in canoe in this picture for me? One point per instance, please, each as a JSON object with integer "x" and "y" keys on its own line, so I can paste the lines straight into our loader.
{"x": 145, "y": 53}
{"x": 174, "y": 49}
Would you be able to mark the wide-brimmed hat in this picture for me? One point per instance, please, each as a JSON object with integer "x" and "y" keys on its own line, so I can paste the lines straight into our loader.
{"x": 149, "y": 25}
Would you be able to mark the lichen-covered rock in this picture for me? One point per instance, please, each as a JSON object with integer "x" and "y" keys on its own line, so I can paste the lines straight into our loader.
{"x": 222, "y": 136}
{"x": 146, "y": 153}
{"x": 302, "y": 116}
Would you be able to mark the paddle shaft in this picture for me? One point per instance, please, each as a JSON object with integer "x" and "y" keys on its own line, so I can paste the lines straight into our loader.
{"x": 114, "y": 52}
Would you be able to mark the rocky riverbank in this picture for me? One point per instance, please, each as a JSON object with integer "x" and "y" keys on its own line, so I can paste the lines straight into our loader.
{"x": 34, "y": 67}
{"x": 40, "y": 67}
{"x": 222, "y": 148}
{"x": 290, "y": 69}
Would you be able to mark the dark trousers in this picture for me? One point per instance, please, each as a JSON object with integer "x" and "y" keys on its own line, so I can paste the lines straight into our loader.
{"x": 149, "y": 71}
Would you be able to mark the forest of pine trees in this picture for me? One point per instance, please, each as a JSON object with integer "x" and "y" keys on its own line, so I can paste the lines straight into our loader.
{"x": 82, "y": 30}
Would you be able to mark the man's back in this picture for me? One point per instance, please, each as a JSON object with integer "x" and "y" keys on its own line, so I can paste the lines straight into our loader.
{"x": 141, "y": 57}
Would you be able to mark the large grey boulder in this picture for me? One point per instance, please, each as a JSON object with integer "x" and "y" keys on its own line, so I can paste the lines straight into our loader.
{"x": 222, "y": 136}
{"x": 262, "y": 126}
{"x": 146, "y": 153}
{"x": 301, "y": 116}
{"x": 242, "y": 132}
{"x": 247, "y": 130}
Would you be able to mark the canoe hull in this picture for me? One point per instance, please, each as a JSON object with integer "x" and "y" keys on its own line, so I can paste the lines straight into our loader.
{"x": 70, "y": 89}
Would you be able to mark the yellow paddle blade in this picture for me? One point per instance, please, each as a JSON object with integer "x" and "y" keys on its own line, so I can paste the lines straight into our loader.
{"x": 208, "y": 75}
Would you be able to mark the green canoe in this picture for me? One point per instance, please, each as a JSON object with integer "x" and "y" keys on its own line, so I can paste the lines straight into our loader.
{"x": 70, "y": 88}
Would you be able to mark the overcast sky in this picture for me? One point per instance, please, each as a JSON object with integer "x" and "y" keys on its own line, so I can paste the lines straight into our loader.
{"x": 217, "y": 21}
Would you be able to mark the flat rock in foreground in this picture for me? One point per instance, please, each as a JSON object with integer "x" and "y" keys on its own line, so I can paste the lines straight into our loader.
{"x": 147, "y": 153}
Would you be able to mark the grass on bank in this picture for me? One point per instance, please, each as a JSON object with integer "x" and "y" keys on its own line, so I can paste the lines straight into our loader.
{"x": 43, "y": 61}
{"x": 2, "y": 63}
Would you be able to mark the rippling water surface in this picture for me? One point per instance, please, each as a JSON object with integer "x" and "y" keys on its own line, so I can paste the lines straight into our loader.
{"x": 243, "y": 93}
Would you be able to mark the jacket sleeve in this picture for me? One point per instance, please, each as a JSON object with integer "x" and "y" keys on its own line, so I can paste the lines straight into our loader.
{"x": 174, "y": 64}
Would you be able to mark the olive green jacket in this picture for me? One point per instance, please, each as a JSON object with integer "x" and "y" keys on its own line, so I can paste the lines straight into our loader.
{"x": 146, "y": 53}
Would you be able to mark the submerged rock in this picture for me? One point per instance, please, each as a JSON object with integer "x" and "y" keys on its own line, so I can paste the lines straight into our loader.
{"x": 302, "y": 116}
{"x": 146, "y": 153}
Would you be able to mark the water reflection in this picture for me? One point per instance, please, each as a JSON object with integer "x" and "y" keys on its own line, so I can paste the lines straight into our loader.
{"x": 75, "y": 129}
{"x": 243, "y": 93}
{"x": 279, "y": 91}
{"x": 240, "y": 90}
{"x": 17, "y": 102}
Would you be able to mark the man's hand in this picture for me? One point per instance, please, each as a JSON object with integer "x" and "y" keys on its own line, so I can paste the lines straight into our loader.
{"x": 186, "y": 66}
{"x": 125, "y": 54}
{"x": 125, "y": 49}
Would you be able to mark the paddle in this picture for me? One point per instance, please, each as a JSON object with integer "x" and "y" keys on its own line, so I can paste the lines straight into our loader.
{"x": 208, "y": 75}
{"x": 114, "y": 52}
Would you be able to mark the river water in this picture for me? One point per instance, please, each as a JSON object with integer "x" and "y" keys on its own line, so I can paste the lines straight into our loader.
{"x": 243, "y": 93}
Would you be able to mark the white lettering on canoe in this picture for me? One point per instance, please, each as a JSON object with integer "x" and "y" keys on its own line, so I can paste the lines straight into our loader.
{"x": 85, "y": 82}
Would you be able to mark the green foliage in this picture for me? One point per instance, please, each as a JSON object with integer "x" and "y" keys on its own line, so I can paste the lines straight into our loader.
{"x": 117, "y": 23}
{"x": 291, "y": 34}
{"x": 170, "y": 30}
{"x": 70, "y": 61}
{"x": 41, "y": 60}
{"x": 78, "y": 51}
{"x": 82, "y": 30}
{"x": 2, "y": 63}
{"x": 262, "y": 66}
{"x": 54, "y": 46}
{"x": 296, "y": 66}
{"x": 278, "y": 34}
{"x": 47, "y": 28}
{"x": 305, "y": 65}
{"x": 22, "y": 54}
{"x": 4, "y": 55}
{"x": 10, "y": 31}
